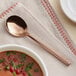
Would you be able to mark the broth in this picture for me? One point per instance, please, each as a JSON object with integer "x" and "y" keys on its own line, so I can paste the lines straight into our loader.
{"x": 14, "y": 63}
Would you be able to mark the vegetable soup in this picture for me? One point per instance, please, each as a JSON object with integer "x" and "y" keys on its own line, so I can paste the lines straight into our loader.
{"x": 14, "y": 63}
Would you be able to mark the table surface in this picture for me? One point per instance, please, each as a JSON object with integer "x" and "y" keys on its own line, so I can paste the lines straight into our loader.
{"x": 54, "y": 67}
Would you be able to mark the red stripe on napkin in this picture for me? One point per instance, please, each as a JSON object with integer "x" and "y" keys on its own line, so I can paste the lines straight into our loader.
{"x": 58, "y": 25}
{"x": 7, "y": 10}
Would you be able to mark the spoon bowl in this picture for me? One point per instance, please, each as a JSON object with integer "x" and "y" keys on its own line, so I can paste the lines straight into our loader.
{"x": 17, "y": 27}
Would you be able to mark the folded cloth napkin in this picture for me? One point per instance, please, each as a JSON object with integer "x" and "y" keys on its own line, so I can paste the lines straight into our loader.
{"x": 58, "y": 28}
{"x": 35, "y": 26}
{"x": 37, "y": 19}
{"x": 40, "y": 26}
{"x": 52, "y": 22}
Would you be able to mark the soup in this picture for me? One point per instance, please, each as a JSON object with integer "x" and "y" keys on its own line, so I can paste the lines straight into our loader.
{"x": 14, "y": 63}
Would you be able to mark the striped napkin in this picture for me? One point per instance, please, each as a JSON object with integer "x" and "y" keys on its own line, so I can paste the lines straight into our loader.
{"x": 42, "y": 23}
{"x": 58, "y": 28}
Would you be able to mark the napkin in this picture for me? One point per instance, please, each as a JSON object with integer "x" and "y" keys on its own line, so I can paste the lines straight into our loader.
{"x": 58, "y": 28}
{"x": 39, "y": 24}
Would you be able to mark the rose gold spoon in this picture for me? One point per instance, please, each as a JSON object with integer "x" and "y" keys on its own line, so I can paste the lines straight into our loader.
{"x": 17, "y": 27}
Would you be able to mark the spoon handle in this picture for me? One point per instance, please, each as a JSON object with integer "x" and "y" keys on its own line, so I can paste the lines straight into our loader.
{"x": 54, "y": 53}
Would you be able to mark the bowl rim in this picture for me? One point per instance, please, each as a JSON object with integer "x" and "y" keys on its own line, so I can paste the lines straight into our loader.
{"x": 29, "y": 51}
{"x": 65, "y": 9}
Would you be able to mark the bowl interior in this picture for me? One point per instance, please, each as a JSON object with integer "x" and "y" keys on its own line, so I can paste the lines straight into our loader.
{"x": 27, "y": 51}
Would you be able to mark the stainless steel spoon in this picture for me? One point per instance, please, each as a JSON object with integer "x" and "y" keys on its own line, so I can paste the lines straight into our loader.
{"x": 17, "y": 27}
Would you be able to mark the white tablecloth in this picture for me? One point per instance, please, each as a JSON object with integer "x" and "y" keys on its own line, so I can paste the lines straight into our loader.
{"x": 41, "y": 27}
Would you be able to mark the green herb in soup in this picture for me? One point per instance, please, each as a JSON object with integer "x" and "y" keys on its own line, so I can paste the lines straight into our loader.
{"x": 2, "y": 60}
{"x": 14, "y": 63}
{"x": 29, "y": 66}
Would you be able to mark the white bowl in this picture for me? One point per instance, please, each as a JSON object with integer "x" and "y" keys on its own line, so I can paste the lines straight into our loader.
{"x": 29, "y": 52}
{"x": 69, "y": 8}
